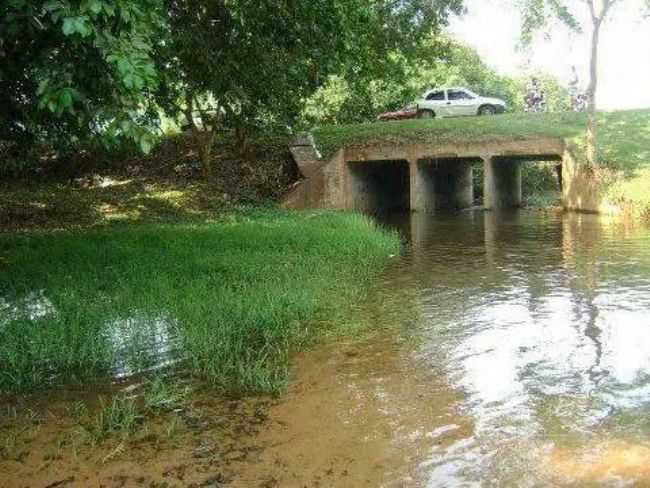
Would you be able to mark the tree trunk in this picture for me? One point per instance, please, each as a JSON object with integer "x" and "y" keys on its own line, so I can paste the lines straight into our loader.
{"x": 242, "y": 141}
{"x": 204, "y": 140}
{"x": 592, "y": 128}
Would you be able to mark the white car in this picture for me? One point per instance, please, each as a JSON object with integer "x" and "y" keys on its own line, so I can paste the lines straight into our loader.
{"x": 456, "y": 102}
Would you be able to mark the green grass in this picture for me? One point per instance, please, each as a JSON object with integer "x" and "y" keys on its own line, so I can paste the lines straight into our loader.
{"x": 120, "y": 415}
{"x": 239, "y": 295}
{"x": 624, "y": 136}
{"x": 453, "y": 130}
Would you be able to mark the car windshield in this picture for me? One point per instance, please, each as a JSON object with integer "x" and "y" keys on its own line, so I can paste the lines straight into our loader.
{"x": 436, "y": 95}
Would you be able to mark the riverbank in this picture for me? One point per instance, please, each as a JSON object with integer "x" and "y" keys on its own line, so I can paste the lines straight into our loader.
{"x": 230, "y": 299}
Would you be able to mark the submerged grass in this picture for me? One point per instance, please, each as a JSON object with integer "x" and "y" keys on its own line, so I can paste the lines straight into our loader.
{"x": 239, "y": 295}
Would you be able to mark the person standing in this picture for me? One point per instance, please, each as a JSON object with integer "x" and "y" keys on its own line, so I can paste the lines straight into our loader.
{"x": 535, "y": 98}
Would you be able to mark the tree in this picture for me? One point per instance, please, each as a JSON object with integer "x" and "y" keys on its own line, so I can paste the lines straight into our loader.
{"x": 538, "y": 13}
{"x": 72, "y": 70}
{"x": 438, "y": 61}
{"x": 244, "y": 65}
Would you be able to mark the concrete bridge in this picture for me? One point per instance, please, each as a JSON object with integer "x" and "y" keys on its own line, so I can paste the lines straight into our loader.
{"x": 426, "y": 177}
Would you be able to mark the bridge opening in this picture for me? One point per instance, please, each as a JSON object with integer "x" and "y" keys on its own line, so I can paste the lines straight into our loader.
{"x": 444, "y": 184}
{"x": 509, "y": 181}
{"x": 379, "y": 186}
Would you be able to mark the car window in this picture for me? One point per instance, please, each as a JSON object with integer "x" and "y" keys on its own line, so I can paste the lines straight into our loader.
{"x": 458, "y": 95}
{"x": 437, "y": 95}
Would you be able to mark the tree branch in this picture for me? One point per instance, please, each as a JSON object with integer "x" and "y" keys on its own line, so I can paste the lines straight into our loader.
{"x": 606, "y": 8}
{"x": 592, "y": 10}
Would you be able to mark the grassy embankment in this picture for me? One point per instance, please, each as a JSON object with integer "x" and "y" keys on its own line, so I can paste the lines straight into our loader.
{"x": 239, "y": 294}
{"x": 623, "y": 139}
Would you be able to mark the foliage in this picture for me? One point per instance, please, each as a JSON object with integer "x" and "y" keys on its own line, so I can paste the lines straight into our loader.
{"x": 243, "y": 65}
{"x": 538, "y": 179}
{"x": 439, "y": 61}
{"x": 74, "y": 70}
{"x": 539, "y": 14}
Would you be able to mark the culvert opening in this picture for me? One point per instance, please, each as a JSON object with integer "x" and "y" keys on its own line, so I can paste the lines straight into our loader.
{"x": 380, "y": 186}
{"x": 537, "y": 179}
{"x": 445, "y": 183}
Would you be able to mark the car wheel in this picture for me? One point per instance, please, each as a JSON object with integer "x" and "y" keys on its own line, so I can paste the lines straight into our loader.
{"x": 426, "y": 114}
{"x": 487, "y": 110}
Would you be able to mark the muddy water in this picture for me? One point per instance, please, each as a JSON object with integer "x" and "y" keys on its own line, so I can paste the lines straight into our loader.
{"x": 505, "y": 350}
{"x": 512, "y": 350}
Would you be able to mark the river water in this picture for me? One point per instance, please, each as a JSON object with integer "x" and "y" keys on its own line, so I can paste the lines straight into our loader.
{"x": 511, "y": 349}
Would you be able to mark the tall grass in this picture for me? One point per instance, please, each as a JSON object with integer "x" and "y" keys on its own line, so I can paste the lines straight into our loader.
{"x": 238, "y": 295}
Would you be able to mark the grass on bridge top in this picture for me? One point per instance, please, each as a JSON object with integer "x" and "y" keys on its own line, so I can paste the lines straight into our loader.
{"x": 624, "y": 136}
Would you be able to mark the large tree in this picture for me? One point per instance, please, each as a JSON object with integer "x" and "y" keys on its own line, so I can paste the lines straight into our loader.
{"x": 539, "y": 13}
{"x": 243, "y": 64}
{"x": 72, "y": 69}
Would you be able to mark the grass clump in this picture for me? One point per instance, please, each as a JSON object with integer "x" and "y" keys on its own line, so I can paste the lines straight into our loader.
{"x": 232, "y": 299}
{"x": 121, "y": 416}
{"x": 162, "y": 396}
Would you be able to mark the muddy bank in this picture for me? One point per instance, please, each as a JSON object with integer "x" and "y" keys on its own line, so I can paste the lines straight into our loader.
{"x": 52, "y": 441}
{"x": 356, "y": 414}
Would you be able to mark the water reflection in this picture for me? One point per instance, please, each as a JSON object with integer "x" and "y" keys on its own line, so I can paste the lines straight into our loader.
{"x": 33, "y": 306}
{"x": 542, "y": 320}
{"x": 142, "y": 343}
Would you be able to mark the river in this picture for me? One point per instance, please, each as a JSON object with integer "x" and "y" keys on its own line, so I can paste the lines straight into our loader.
{"x": 511, "y": 349}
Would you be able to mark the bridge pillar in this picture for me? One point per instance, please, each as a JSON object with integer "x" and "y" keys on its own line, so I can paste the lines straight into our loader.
{"x": 441, "y": 184}
{"x": 501, "y": 183}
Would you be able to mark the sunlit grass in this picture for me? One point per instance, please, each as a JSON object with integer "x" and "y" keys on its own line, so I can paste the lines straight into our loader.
{"x": 240, "y": 295}
{"x": 452, "y": 130}
{"x": 55, "y": 205}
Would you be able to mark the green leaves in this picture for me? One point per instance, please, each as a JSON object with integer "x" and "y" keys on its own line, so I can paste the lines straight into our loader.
{"x": 77, "y": 25}
{"x": 70, "y": 68}
{"x": 95, "y": 6}
{"x": 57, "y": 99}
